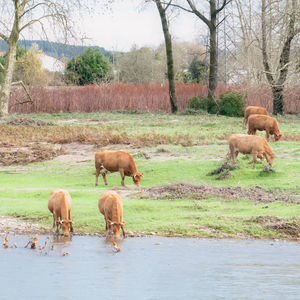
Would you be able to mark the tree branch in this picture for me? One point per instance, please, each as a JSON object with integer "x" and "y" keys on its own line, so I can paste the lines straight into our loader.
{"x": 38, "y": 20}
{"x": 26, "y": 90}
{"x": 4, "y": 37}
{"x": 199, "y": 14}
{"x": 225, "y": 2}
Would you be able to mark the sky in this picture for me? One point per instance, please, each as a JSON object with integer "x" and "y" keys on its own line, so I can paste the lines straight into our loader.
{"x": 131, "y": 24}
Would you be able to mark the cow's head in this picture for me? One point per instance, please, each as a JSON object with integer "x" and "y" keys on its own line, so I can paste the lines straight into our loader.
{"x": 277, "y": 136}
{"x": 116, "y": 227}
{"x": 66, "y": 225}
{"x": 270, "y": 159}
{"x": 137, "y": 178}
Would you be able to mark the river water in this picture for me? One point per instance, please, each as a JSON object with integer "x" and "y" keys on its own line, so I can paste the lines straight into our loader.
{"x": 150, "y": 268}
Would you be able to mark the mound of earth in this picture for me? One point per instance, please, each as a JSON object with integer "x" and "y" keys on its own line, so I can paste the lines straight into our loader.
{"x": 28, "y": 122}
{"x": 184, "y": 190}
{"x": 25, "y": 155}
{"x": 287, "y": 227}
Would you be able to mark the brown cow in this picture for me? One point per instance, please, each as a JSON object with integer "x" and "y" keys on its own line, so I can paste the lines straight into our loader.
{"x": 250, "y": 144}
{"x": 114, "y": 161}
{"x": 59, "y": 205}
{"x": 110, "y": 205}
{"x": 267, "y": 123}
{"x": 253, "y": 110}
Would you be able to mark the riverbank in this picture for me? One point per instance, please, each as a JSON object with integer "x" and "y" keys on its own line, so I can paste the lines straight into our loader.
{"x": 175, "y": 153}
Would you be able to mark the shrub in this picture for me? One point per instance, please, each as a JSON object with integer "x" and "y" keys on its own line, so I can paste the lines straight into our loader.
{"x": 193, "y": 103}
{"x": 209, "y": 105}
{"x": 231, "y": 104}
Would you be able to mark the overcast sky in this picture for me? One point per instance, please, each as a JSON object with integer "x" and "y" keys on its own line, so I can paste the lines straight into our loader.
{"x": 130, "y": 24}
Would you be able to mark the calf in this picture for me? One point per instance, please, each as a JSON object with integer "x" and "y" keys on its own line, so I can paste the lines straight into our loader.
{"x": 251, "y": 110}
{"x": 110, "y": 205}
{"x": 267, "y": 123}
{"x": 59, "y": 205}
{"x": 250, "y": 144}
{"x": 114, "y": 161}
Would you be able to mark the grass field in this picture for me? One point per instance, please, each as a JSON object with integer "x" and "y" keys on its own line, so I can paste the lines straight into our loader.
{"x": 170, "y": 150}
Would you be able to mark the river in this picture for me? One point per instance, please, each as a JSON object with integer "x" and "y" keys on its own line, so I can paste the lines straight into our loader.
{"x": 87, "y": 267}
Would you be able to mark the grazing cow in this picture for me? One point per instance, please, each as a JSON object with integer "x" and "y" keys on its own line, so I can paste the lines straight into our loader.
{"x": 110, "y": 205}
{"x": 114, "y": 161}
{"x": 251, "y": 110}
{"x": 59, "y": 205}
{"x": 250, "y": 144}
{"x": 267, "y": 123}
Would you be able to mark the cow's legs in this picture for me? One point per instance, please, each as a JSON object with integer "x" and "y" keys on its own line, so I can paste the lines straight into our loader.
{"x": 56, "y": 222}
{"x": 104, "y": 177}
{"x": 236, "y": 155}
{"x": 124, "y": 235}
{"x": 244, "y": 123}
{"x": 254, "y": 159}
{"x": 231, "y": 150}
{"x": 267, "y": 135}
{"x": 71, "y": 225}
{"x": 261, "y": 156}
{"x": 97, "y": 175}
{"x": 122, "y": 176}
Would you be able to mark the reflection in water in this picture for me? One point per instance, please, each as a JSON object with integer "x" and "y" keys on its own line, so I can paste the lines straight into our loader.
{"x": 61, "y": 238}
{"x": 150, "y": 268}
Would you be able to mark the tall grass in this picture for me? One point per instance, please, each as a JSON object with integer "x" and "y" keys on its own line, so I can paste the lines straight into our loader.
{"x": 140, "y": 98}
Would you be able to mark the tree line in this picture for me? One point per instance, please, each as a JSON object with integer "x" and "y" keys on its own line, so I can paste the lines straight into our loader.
{"x": 265, "y": 35}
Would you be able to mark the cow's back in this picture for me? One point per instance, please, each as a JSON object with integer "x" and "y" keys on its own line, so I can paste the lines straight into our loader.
{"x": 246, "y": 143}
{"x": 251, "y": 110}
{"x": 110, "y": 205}
{"x": 60, "y": 203}
{"x": 114, "y": 160}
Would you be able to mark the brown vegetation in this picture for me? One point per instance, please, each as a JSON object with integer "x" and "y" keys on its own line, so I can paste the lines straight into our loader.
{"x": 197, "y": 192}
{"x": 141, "y": 98}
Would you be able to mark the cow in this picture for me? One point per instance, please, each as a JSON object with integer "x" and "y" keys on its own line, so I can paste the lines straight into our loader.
{"x": 251, "y": 110}
{"x": 59, "y": 205}
{"x": 267, "y": 123}
{"x": 114, "y": 161}
{"x": 110, "y": 205}
{"x": 250, "y": 144}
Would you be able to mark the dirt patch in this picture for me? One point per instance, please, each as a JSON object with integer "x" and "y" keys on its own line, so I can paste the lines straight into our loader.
{"x": 184, "y": 190}
{"x": 28, "y": 122}
{"x": 290, "y": 228}
{"x": 24, "y": 155}
{"x": 16, "y": 226}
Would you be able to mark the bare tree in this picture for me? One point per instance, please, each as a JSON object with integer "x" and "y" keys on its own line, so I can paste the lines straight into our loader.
{"x": 17, "y": 16}
{"x": 287, "y": 26}
{"x": 162, "y": 9}
{"x": 211, "y": 22}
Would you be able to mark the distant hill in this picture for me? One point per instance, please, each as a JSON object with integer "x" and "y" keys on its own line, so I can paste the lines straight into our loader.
{"x": 57, "y": 50}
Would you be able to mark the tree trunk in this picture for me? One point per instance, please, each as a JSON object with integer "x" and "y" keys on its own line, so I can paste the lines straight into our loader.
{"x": 8, "y": 76}
{"x": 277, "y": 85}
{"x": 213, "y": 62}
{"x": 11, "y": 58}
{"x": 169, "y": 53}
{"x": 277, "y": 99}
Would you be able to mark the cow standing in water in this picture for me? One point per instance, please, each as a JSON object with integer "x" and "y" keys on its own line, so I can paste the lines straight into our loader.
{"x": 110, "y": 205}
{"x": 59, "y": 205}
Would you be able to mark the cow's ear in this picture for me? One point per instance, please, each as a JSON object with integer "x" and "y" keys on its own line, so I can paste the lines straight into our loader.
{"x": 123, "y": 223}
{"x": 142, "y": 174}
{"x": 61, "y": 222}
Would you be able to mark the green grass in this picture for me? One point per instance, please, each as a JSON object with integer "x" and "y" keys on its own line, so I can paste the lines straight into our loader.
{"x": 24, "y": 190}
